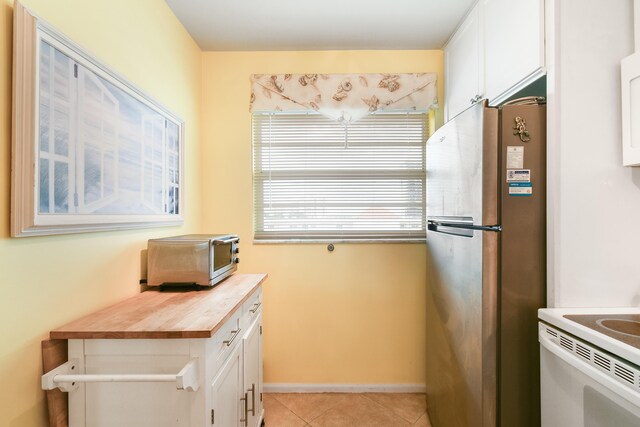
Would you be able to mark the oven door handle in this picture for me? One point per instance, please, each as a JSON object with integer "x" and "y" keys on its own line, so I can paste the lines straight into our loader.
{"x": 226, "y": 241}
{"x": 590, "y": 371}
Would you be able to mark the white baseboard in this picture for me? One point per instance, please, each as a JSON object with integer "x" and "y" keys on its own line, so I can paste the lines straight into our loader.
{"x": 343, "y": 388}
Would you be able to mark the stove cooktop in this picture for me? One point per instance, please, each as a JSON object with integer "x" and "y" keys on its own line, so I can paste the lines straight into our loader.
{"x": 622, "y": 327}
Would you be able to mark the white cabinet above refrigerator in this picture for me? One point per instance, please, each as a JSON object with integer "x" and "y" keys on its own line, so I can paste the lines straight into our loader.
{"x": 513, "y": 46}
{"x": 463, "y": 81}
{"x": 497, "y": 50}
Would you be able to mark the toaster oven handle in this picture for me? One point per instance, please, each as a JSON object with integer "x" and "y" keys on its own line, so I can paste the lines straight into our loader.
{"x": 226, "y": 241}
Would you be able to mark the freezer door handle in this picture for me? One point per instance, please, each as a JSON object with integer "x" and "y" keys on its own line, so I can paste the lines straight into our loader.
{"x": 433, "y": 226}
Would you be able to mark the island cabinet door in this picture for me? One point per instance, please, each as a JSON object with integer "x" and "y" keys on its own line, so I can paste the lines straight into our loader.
{"x": 228, "y": 398}
{"x": 252, "y": 345}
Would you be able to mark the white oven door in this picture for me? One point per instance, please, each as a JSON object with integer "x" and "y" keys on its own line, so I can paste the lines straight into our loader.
{"x": 583, "y": 386}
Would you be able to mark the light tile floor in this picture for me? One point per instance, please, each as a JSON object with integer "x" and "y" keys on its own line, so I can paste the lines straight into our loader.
{"x": 345, "y": 409}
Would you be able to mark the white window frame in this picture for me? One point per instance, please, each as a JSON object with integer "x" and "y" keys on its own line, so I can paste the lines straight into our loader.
{"x": 26, "y": 220}
{"x": 390, "y": 236}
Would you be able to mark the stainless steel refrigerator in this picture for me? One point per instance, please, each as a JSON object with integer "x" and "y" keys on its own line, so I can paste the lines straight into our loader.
{"x": 486, "y": 265}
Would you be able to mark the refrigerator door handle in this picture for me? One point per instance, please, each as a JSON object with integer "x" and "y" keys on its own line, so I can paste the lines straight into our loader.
{"x": 433, "y": 226}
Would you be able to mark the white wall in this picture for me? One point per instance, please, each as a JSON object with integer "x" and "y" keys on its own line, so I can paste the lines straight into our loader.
{"x": 594, "y": 202}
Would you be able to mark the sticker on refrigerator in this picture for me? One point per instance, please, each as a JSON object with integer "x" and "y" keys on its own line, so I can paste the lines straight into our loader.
{"x": 520, "y": 189}
{"x": 518, "y": 175}
{"x": 515, "y": 157}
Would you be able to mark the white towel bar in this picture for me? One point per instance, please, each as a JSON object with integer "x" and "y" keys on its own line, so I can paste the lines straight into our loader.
{"x": 64, "y": 378}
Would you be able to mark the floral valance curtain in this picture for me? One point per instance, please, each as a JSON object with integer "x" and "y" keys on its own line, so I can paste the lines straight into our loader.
{"x": 343, "y": 97}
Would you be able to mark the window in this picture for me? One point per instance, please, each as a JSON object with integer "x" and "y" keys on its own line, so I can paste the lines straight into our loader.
{"x": 315, "y": 179}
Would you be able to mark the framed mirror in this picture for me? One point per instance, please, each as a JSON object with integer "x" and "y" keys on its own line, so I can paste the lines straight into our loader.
{"x": 90, "y": 150}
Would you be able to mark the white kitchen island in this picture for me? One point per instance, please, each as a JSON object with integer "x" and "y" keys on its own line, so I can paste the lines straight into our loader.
{"x": 167, "y": 359}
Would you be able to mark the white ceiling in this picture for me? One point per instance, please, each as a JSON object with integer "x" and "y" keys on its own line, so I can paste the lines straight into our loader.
{"x": 244, "y": 25}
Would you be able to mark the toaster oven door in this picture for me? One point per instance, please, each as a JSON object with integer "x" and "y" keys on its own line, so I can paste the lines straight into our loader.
{"x": 224, "y": 258}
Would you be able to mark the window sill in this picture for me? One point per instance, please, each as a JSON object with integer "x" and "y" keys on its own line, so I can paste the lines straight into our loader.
{"x": 315, "y": 241}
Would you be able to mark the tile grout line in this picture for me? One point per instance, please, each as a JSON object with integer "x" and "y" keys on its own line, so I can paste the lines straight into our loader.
{"x": 333, "y": 406}
{"x": 308, "y": 423}
{"x": 290, "y": 410}
{"x": 391, "y": 410}
{"x": 383, "y": 408}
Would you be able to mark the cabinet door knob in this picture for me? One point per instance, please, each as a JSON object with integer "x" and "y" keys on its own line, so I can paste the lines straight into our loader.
{"x": 253, "y": 400}
{"x": 246, "y": 411}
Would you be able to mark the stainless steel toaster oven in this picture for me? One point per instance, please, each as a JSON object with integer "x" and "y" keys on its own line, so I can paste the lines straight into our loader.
{"x": 192, "y": 259}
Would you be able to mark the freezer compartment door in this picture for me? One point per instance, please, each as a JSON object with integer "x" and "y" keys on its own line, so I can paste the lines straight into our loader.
{"x": 462, "y": 167}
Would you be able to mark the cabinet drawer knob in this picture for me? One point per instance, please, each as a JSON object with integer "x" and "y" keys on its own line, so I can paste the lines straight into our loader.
{"x": 255, "y": 307}
{"x": 234, "y": 334}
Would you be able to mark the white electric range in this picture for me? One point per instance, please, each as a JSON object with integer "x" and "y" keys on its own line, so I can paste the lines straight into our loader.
{"x": 590, "y": 367}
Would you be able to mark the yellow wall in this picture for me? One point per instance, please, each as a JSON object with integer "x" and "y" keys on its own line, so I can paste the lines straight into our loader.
{"x": 352, "y": 316}
{"x": 48, "y": 281}
{"x": 356, "y": 315}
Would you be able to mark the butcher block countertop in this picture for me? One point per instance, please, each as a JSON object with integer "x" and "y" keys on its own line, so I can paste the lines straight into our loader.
{"x": 168, "y": 314}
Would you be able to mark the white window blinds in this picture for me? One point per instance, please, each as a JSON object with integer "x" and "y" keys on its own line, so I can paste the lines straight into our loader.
{"x": 314, "y": 179}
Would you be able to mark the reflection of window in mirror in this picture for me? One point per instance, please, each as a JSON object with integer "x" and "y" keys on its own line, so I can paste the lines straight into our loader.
{"x": 101, "y": 150}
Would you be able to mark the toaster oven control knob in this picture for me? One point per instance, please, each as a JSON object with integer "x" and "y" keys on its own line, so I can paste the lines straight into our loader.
{"x": 236, "y": 251}
{"x": 236, "y": 260}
